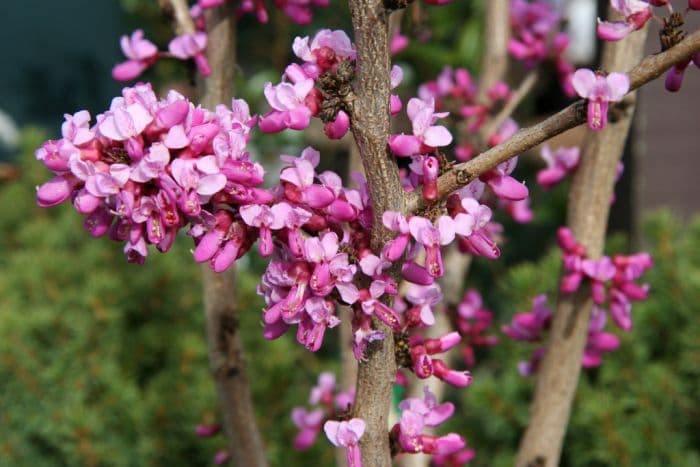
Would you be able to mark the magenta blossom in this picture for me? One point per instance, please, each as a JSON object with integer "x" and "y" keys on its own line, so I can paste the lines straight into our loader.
{"x": 188, "y": 46}
{"x": 141, "y": 54}
{"x": 426, "y": 136}
{"x": 560, "y": 163}
{"x": 347, "y": 434}
{"x": 599, "y": 90}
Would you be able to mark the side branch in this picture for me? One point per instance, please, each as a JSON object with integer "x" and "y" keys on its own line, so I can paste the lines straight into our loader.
{"x": 462, "y": 174}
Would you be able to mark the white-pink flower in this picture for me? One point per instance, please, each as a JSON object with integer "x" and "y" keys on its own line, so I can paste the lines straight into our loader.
{"x": 347, "y": 434}
{"x": 599, "y": 90}
{"x": 188, "y": 46}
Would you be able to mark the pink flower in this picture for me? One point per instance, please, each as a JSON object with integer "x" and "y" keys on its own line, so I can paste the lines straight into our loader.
{"x": 560, "y": 162}
{"x": 599, "y": 90}
{"x": 324, "y": 51}
{"x": 188, "y": 46}
{"x": 426, "y": 136}
{"x": 347, "y": 434}
{"x": 431, "y": 237}
{"x": 266, "y": 220}
{"x": 309, "y": 424}
{"x": 322, "y": 393}
{"x": 502, "y": 184}
{"x": 289, "y": 109}
{"x": 636, "y": 13}
{"x": 124, "y": 121}
{"x": 141, "y": 53}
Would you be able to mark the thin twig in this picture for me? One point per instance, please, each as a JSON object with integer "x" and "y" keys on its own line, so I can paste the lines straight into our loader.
{"x": 574, "y": 115}
{"x": 515, "y": 100}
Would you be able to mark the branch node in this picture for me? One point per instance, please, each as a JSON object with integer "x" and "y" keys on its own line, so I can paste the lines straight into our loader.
{"x": 463, "y": 176}
{"x": 393, "y": 5}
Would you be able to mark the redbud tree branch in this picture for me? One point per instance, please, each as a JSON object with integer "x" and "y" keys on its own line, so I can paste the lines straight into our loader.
{"x": 371, "y": 127}
{"x": 574, "y": 115}
{"x": 588, "y": 209}
{"x": 221, "y": 316}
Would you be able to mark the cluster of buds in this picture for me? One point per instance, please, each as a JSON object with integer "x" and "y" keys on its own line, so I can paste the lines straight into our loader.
{"x": 150, "y": 167}
{"x": 472, "y": 321}
{"x": 327, "y": 402}
{"x": 142, "y": 53}
{"x": 612, "y": 281}
{"x": 319, "y": 226}
{"x": 320, "y": 86}
{"x": 299, "y": 11}
{"x": 331, "y": 412}
{"x": 536, "y": 37}
{"x": 417, "y": 353}
{"x": 531, "y": 326}
{"x": 407, "y": 435}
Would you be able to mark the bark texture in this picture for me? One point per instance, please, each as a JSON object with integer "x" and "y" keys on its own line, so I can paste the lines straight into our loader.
{"x": 588, "y": 209}
{"x": 370, "y": 128}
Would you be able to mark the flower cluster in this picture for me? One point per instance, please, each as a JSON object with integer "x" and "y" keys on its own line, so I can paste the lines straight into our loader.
{"x": 455, "y": 89}
{"x": 316, "y": 222}
{"x": 314, "y": 88}
{"x": 612, "y": 280}
{"x": 148, "y": 168}
{"x": 417, "y": 415}
{"x": 472, "y": 321}
{"x": 536, "y": 37}
{"x": 299, "y": 11}
{"x": 531, "y": 326}
{"x": 328, "y": 404}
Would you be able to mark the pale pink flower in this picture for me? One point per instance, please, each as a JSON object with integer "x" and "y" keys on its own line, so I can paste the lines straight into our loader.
{"x": 599, "y": 90}
{"x": 188, "y": 46}
{"x": 141, "y": 54}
